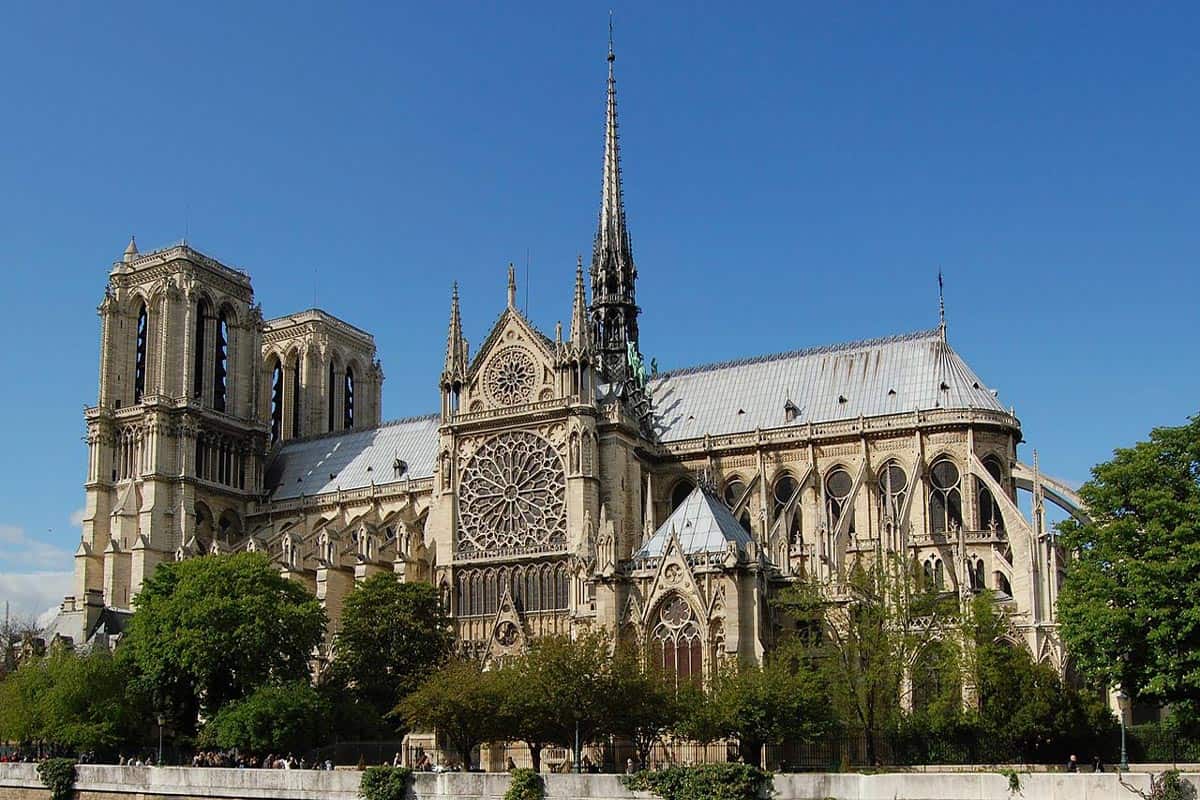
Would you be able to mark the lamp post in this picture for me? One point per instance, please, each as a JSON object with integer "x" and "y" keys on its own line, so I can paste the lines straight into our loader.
{"x": 1122, "y": 704}
{"x": 158, "y": 715}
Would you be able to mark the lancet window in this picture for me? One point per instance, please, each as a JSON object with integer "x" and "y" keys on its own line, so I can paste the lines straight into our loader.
{"x": 198, "y": 348}
{"x": 221, "y": 362}
{"x": 348, "y": 400}
{"x": 990, "y": 517}
{"x": 893, "y": 488}
{"x": 141, "y": 345}
{"x": 734, "y": 489}
{"x": 945, "y": 497}
{"x": 332, "y": 396}
{"x": 532, "y": 587}
{"x": 838, "y": 485}
{"x": 782, "y": 494}
{"x": 680, "y": 493}
{"x": 296, "y": 427}
{"x": 276, "y": 401}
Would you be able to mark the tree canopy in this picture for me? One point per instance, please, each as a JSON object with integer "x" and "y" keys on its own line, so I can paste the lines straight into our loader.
{"x": 392, "y": 635}
{"x": 1130, "y": 605}
{"x": 460, "y": 701}
{"x": 273, "y": 719}
{"x": 210, "y": 630}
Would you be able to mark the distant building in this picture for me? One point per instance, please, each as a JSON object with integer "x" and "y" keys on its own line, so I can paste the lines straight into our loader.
{"x": 558, "y": 487}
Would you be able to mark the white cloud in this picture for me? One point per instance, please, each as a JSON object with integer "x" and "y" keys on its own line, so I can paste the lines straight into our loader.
{"x": 21, "y": 551}
{"x": 32, "y": 593}
{"x": 77, "y": 517}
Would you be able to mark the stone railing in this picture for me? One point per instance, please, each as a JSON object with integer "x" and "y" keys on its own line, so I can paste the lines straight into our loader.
{"x": 20, "y": 782}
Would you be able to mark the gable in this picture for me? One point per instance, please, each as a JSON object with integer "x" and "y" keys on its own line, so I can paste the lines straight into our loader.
{"x": 514, "y": 367}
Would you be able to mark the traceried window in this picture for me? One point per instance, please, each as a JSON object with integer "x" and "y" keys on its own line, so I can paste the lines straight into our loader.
{"x": 838, "y": 485}
{"x": 510, "y": 377}
{"x": 990, "y": 517}
{"x": 276, "y": 402}
{"x": 513, "y": 497}
{"x": 680, "y": 493}
{"x": 782, "y": 495}
{"x": 893, "y": 487}
{"x": 675, "y": 643}
{"x": 221, "y": 362}
{"x": 139, "y": 363}
{"x": 935, "y": 574}
{"x": 945, "y": 497}
{"x": 198, "y": 348}
{"x": 734, "y": 489}
{"x": 533, "y": 588}
{"x": 348, "y": 400}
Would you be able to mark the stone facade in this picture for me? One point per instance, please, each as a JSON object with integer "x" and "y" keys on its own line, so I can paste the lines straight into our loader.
{"x": 559, "y": 487}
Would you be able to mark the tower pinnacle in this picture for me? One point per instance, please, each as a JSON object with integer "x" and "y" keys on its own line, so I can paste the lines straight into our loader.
{"x": 512, "y": 286}
{"x": 455, "y": 370}
{"x": 579, "y": 322}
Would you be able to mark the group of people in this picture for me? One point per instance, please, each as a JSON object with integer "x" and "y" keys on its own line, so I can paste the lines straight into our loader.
{"x": 1073, "y": 764}
{"x": 234, "y": 760}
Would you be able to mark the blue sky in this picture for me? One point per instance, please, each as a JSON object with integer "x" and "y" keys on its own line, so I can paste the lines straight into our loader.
{"x": 794, "y": 175}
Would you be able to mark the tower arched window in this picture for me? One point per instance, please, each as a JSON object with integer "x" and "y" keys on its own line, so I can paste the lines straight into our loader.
{"x": 675, "y": 643}
{"x": 990, "y": 516}
{"x": 221, "y": 362}
{"x": 296, "y": 428}
{"x": 332, "y": 383}
{"x": 680, "y": 493}
{"x": 893, "y": 487}
{"x": 348, "y": 400}
{"x": 945, "y": 497}
{"x": 276, "y": 401}
{"x": 140, "y": 360}
{"x": 838, "y": 485}
{"x": 199, "y": 348}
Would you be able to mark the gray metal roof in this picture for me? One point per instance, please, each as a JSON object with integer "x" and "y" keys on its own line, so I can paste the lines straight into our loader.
{"x": 355, "y": 459}
{"x": 703, "y": 524}
{"x": 870, "y": 378}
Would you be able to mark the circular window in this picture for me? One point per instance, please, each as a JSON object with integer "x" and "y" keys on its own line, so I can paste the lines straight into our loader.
{"x": 839, "y": 483}
{"x": 785, "y": 487}
{"x": 944, "y": 475}
{"x": 892, "y": 480}
{"x": 510, "y": 377}
{"x": 734, "y": 491}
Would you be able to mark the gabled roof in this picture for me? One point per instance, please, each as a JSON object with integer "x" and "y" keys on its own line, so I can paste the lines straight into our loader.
{"x": 353, "y": 459}
{"x": 873, "y": 377}
{"x": 703, "y": 524}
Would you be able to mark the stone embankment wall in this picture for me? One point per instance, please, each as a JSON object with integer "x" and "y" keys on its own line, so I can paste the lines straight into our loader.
{"x": 94, "y": 782}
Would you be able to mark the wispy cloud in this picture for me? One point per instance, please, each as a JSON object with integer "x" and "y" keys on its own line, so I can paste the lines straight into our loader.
{"x": 21, "y": 552}
{"x": 31, "y": 593}
{"x": 77, "y": 517}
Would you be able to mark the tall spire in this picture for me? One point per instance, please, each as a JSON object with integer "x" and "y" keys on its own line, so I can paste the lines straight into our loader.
{"x": 456, "y": 367}
{"x": 579, "y": 321}
{"x": 512, "y": 286}
{"x": 941, "y": 307}
{"x": 614, "y": 275}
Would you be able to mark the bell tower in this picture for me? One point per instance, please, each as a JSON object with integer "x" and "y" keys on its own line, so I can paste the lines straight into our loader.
{"x": 175, "y": 453}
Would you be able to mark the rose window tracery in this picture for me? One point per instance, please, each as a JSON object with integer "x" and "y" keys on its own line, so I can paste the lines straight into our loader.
{"x": 513, "y": 496}
{"x": 510, "y": 377}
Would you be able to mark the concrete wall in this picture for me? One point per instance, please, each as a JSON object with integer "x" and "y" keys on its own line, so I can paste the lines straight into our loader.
{"x": 20, "y": 782}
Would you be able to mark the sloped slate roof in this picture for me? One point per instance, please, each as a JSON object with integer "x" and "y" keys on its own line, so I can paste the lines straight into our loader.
{"x": 703, "y": 524}
{"x": 355, "y": 459}
{"x": 869, "y": 378}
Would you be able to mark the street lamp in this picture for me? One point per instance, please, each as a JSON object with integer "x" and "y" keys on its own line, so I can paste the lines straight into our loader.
{"x": 1122, "y": 704}
{"x": 158, "y": 715}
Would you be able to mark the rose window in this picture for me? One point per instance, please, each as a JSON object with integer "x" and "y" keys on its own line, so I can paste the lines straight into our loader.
{"x": 510, "y": 377}
{"x": 513, "y": 495}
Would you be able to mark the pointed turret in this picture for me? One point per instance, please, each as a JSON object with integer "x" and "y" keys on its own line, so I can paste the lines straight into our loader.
{"x": 614, "y": 275}
{"x": 131, "y": 250}
{"x": 456, "y": 368}
{"x": 580, "y": 336}
{"x": 512, "y": 286}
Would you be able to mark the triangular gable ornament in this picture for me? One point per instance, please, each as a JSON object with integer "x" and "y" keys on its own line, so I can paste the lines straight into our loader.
{"x": 509, "y": 637}
{"x": 674, "y": 575}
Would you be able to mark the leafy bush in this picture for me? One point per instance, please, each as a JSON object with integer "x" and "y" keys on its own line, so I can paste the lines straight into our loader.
{"x": 526, "y": 785}
{"x": 272, "y": 719}
{"x": 58, "y": 775}
{"x": 384, "y": 783}
{"x": 1169, "y": 786}
{"x": 704, "y": 782}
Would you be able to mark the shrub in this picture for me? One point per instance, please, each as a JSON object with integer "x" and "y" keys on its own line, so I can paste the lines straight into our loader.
{"x": 704, "y": 782}
{"x": 384, "y": 783}
{"x": 526, "y": 785}
{"x": 58, "y": 775}
{"x": 1169, "y": 786}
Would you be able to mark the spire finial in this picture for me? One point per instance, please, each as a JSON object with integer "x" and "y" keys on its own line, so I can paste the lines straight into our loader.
{"x": 611, "y": 55}
{"x": 130, "y": 249}
{"x": 455, "y": 346}
{"x": 941, "y": 307}
{"x": 579, "y": 322}
{"x": 512, "y": 286}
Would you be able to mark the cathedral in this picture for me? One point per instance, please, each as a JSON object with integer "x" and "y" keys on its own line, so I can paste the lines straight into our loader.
{"x": 560, "y": 485}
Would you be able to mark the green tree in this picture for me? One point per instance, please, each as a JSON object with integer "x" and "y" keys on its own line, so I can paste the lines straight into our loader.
{"x": 392, "y": 635}
{"x": 523, "y": 713}
{"x": 288, "y": 718}
{"x": 1130, "y": 606}
{"x": 575, "y": 679}
{"x": 650, "y": 703}
{"x": 459, "y": 701}
{"x": 209, "y": 630}
{"x": 862, "y": 643}
{"x": 760, "y": 705}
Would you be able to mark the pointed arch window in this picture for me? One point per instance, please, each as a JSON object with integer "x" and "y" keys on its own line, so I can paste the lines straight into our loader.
{"x": 221, "y": 362}
{"x": 348, "y": 400}
{"x": 733, "y": 493}
{"x": 681, "y": 492}
{"x": 296, "y": 427}
{"x": 893, "y": 488}
{"x": 990, "y": 516}
{"x": 782, "y": 493}
{"x": 838, "y": 485}
{"x": 332, "y": 384}
{"x": 276, "y": 401}
{"x": 675, "y": 643}
{"x": 140, "y": 352}
{"x": 945, "y": 497}
{"x": 199, "y": 349}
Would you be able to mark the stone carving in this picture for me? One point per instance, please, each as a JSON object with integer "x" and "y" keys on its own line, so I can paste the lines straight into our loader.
{"x": 510, "y": 377}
